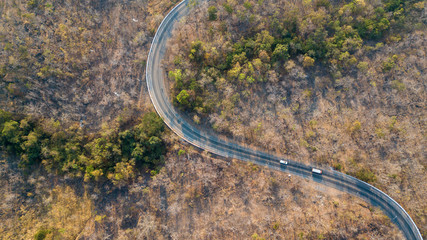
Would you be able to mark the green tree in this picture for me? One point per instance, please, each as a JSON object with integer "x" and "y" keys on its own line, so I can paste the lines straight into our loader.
{"x": 248, "y": 5}
{"x": 127, "y": 142}
{"x": 176, "y": 75}
{"x": 183, "y": 98}
{"x": 138, "y": 153}
{"x": 103, "y": 152}
{"x": 228, "y": 8}
{"x": 196, "y": 52}
{"x": 4, "y": 117}
{"x": 32, "y": 148}
{"x": 392, "y": 5}
{"x": 32, "y": 4}
{"x": 155, "y": 150}
{"x": 308, "y": 61}
{"x": 264, "y": 41}
{"x": 11, "y": 136}
{"x": 280, "y": 53}
{"x": 212, "y": 13}
{"x": 123, "y": 171}
{"x": 235, "y": 71}
{"x": 152, "y": 124}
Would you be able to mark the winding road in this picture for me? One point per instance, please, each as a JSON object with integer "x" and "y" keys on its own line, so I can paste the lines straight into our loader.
{"x": 155, "y": 76}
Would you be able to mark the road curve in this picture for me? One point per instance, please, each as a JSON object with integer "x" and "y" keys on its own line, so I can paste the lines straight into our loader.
{"x": 155, "y": 75}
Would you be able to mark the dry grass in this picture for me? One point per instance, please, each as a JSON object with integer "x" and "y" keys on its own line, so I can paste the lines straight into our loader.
{"x": 366, "y": 121}
{"x": 195, "y": 196}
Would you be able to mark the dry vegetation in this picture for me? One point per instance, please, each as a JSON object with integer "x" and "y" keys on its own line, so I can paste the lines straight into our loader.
{"x": 195, "y": 196}
{"x": 76, "y": 60}
{"x": 357, "y": 105}
{"x": 84, "y": 60}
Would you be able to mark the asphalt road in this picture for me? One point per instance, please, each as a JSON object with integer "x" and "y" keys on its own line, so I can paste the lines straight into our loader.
{"x": 155, "y": 76}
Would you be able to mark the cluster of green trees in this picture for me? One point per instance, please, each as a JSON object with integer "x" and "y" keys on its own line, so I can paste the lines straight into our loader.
{"x": 325, "y": 33}
{"x": 114, "y": 153}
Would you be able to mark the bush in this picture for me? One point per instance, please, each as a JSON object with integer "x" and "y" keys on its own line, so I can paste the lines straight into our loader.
{"x": 281, "y": 53}
{"x": 338, "y": 166}
{"x": 355, "y": 127}
{"x": 183, "y": 98}
{"x": 11, "y": 136}
{"x": 398, "y": 85}
{"x": 248, "y": 5}
{"x": 308, "y": 61}
{"x": 363, "y": 66}
{"x": 365, "y": 175}
{"x": 212, "y": 13}
{"x": 32, "y": 4}
{"x": 228, "y": 8}
{"x": 392, "y": 5}
{"x": 181, "y": 152}
{"x": 390, "y": 63}
{"x": 41, "y": 234}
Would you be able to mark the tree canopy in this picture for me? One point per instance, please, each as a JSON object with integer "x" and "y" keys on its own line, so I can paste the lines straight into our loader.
{"x": 114, "y": 153}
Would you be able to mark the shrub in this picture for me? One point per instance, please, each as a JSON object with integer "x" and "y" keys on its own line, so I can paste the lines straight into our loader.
{"x": 281, "y": 53}
{"x": 228, "y": 8}
{"x": 308, "y": 61}
{"x": 212, "y": 13}
{"x": 363, "y": 66}
{"x": 355, "y": 127}
{"x": 183, "y": 98}
{"x": 338, "y": 166}
{"x": 181, "y": 152}
{"x": 398, "y": 85}
{"x": 389, "y": 63}
{"x": 41, "y": 234}
{"x": 248, "y": 5}
{"x": 365, "y": 175}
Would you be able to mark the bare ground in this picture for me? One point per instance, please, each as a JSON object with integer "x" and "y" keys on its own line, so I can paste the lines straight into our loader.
{"x": 195, "y": 196}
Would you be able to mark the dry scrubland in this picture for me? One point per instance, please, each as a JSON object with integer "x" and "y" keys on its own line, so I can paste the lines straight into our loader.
{"x": 73, "y": 61}
{"x": 195, "y": 196}
{"x": 308, "y": 80}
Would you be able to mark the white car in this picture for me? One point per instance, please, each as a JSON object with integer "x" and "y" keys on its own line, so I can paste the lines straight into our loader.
{"x": 315, "y": 170}
{"x": 283, "y": 162}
